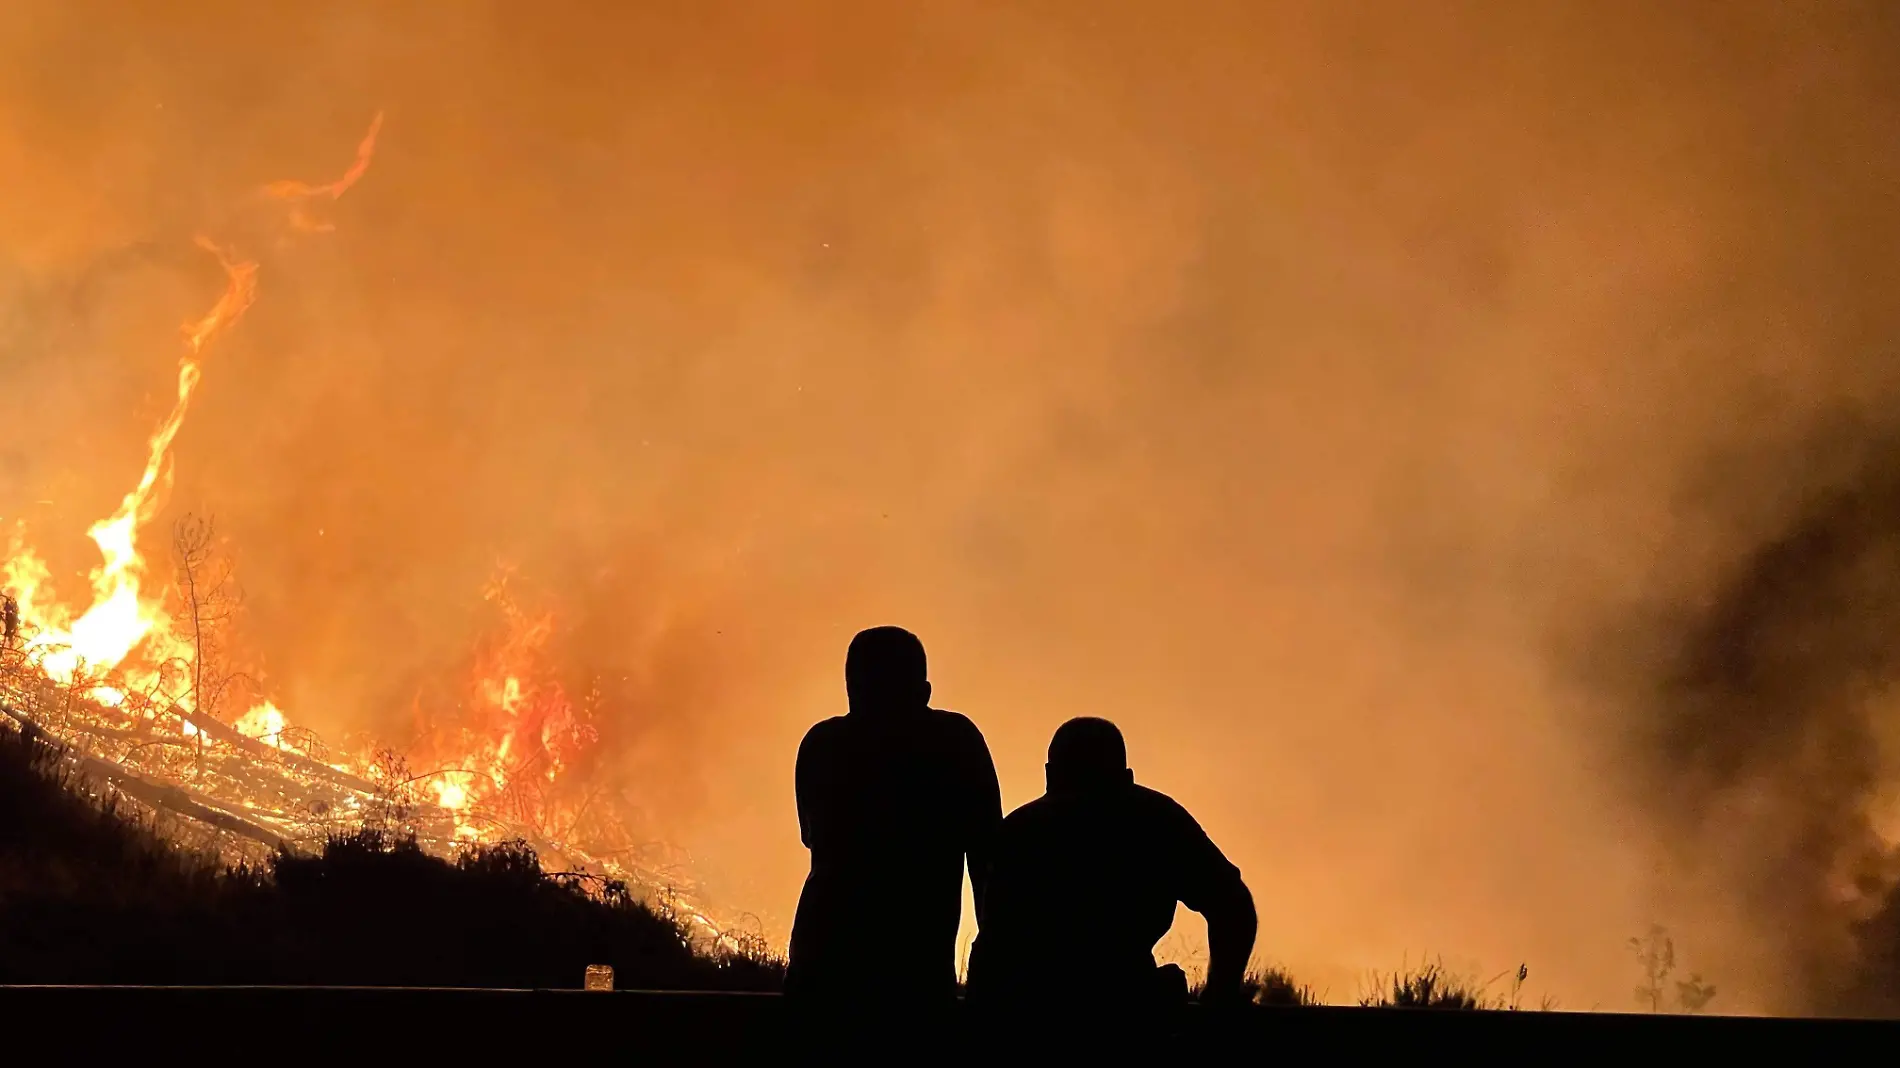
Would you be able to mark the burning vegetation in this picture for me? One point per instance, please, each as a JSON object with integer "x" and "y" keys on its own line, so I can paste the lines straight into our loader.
{"x": 92, "y": 896}
{"x": 141, "y": 685}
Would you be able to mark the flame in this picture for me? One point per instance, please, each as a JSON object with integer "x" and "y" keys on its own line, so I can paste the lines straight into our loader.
{"x": 297, "y": 192}
{"x": 265, "y": 722}
{"x": 451, "y": 790}
{"x": 119, "y": 618}
{"x": 496, "y": 759}
{"x": 122, "y": 618}
{"x": 503, "y": 747}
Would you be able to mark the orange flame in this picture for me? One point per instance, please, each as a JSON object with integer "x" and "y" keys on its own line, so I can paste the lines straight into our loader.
{"x": 499, "y": 753}
{"x": 120, "y": 618}
{"x": 296, "y": 191}
{"x": 265, "y": 723}
{"x": 502, "y": 749}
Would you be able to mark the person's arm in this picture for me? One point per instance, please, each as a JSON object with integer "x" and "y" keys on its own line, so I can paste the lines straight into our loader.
{"x": 1231, "y": 926}
{"x": 811, "y": 779}
{"x": 986, "y": 816}
{"x": 1212, "y": 886}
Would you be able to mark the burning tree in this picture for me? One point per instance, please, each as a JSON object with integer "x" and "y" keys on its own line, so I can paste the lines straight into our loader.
{"x": 207, "y": 601}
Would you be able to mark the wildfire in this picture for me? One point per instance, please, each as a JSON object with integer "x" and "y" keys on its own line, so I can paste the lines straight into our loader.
{"x": 119, "y": 618}
{"x": 265, "y": 723}
{"x": 120, "y": 684}
{"x": 500, "y": 751}
{"x": 93, "y": 651}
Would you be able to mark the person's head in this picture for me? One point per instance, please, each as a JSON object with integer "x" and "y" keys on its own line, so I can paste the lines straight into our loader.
{"x": 1087, "y": 754}
{"x": 885, "y": 669}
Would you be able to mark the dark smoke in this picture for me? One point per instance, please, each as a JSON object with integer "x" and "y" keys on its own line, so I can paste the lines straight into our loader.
{"x": 1773, "y": 715}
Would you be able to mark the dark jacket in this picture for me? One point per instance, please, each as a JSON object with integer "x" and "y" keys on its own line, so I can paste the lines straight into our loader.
{"x": 890, "y": 805}
{"x": 1082, "y": 886}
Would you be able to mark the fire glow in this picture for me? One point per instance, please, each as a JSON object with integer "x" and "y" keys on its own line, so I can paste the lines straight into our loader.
{"x": 120, "y": 683}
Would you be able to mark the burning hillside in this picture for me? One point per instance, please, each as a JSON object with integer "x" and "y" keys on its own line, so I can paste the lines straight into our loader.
{"x": 139, "y": 680}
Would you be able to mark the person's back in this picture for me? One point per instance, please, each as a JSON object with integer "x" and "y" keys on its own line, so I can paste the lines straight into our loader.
{"x": 891, "y": 799}
{"x": 1084, "y": 882}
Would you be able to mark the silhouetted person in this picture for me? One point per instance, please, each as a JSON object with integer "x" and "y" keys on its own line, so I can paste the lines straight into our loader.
{"x": 9, "y": 620}
{"x": 892, "y": 798}
{"x": 1084, "y": 882}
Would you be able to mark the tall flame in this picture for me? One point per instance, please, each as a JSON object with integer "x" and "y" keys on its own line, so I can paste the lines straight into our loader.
{"x": 497, "y": 753}
{"x": 121, "y": 618}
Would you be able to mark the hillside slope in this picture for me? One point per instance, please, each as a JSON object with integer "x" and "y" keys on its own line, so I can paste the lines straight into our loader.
{"x": 88, "y": 894}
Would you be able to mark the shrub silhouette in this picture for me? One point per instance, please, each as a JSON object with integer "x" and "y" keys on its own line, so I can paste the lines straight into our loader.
{"x": 89, "y": 895}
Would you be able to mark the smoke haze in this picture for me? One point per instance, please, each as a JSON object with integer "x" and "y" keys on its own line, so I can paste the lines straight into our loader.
{"x": 1390, "y": 422}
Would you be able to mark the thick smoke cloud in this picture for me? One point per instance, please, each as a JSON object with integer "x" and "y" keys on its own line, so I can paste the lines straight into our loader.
{"x": 1308, "y": 388}
{"x": 1771, "y": 721}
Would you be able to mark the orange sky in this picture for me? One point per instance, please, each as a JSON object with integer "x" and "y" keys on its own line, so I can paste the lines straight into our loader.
{"x": 1298, "y": 386}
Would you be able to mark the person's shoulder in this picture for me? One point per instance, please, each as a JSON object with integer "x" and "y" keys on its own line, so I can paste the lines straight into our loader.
{"x": 956, "y": 725}
{"x": 1175, "y": 829}
{"x": 1157, "y": 805}
{"x": 823, "y": 731}
{"x": 952, "y": 720}
{"x": 1031, "y": 811}
{"x": 1148, "y": 795}
{"x": 1030, "y": 817}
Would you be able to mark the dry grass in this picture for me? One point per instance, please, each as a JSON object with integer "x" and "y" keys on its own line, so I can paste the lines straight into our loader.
{"x": 1275, "y": 986}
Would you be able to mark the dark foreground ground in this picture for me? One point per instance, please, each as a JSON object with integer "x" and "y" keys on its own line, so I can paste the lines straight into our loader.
{"x": 675, "y": 1027}
{"x": 89, "y": 896}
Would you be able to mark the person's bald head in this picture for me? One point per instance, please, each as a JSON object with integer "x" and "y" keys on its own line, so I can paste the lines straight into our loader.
{"x": 1087, "y": 753}
{"x": 885, "y": 668}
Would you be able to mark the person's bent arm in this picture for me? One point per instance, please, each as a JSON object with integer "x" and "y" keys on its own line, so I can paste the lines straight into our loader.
{"x": 1231, "y": 926}
{"x": 1212, "y": 886}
